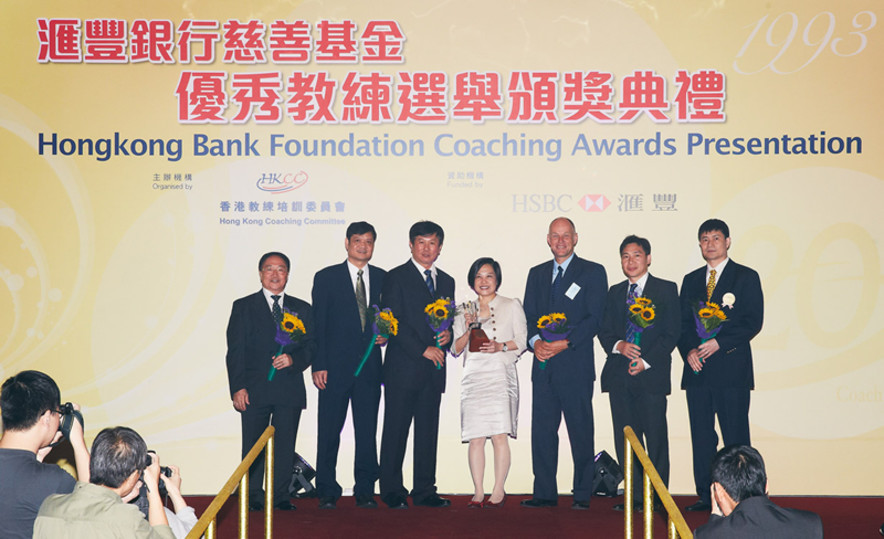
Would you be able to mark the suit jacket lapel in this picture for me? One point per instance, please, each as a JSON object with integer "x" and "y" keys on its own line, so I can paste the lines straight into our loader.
{"x": 725, "y": 282}
{"x": 264, "y": 316}
{"x": 620, "y": 310}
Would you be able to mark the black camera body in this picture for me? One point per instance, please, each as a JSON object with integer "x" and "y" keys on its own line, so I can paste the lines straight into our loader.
{"x": 68, "y": 416}
{"x": 141, "y": 500}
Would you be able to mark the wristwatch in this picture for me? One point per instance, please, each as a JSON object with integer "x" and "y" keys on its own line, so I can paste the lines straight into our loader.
{"x": 504, "y": 347}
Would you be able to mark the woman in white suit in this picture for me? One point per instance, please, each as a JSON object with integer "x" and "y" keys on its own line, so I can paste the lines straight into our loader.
{"x": 489, "y": 402}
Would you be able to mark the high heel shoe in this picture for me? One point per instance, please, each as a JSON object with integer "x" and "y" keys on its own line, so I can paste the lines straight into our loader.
{"x": 475, "y": 505}
{"x": 493, "y": 505}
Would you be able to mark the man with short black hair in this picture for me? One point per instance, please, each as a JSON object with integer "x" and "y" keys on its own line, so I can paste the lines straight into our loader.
{"x": 342, "y": 298}
{"x": 637, "y": 371}
{"x": 718, "y": 374}
{"x": 414, "y": 370}
{"x": 741, "y": 508}
{"x": 96, "y": 510}
{"x": 30, "y": 403}
{"x": 252, "y": 350}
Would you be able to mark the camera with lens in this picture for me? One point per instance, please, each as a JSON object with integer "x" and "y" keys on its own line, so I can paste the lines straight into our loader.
{"x": 141, "y": 500}
{"x": 68, "y": 416}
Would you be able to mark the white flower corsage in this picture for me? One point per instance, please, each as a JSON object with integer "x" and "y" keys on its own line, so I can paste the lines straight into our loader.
{"x": 728, "y": 300}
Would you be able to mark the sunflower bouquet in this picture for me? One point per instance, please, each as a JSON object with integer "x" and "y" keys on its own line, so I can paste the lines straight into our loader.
{"x": 641, "y": 316}
{"x": 440, "y": 315}
{"x": 553, "y": 327}
{"x": 708, "y": 318}
{"x": 384, "y": 324}
{"x": 289, "y": 331}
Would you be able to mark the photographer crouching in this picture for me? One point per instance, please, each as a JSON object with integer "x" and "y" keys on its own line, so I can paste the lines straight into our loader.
{"x": 96, "y": 509}
{"x": 34, "y": 421}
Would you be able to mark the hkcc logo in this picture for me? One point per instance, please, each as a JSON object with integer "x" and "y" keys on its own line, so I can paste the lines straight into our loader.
{"x": 281, "y": 182}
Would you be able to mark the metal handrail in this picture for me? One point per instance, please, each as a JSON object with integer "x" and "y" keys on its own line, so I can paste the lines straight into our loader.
{"x": 206, "y": 523}
{"x": 677, "y": 525}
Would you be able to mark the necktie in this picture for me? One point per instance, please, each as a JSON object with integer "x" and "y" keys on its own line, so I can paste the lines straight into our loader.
{"x": 430, "y": 284}
{"x": 711, "y": 285}
{"x": 277, "y": 310}
{"x": 556, "y": 282}
{"x": 360, "y": 297}
{"x": 630, "y": 328}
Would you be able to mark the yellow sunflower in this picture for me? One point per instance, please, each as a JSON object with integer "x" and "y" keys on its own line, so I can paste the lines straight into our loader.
{"x": 291, "y": 323}
{"x": 544, "y": 321}
{"x": 644, "y": 302}
{"x": 706, "y": 312}
{"x": 440, "y": 312}
{"x": 635, "y": 308}
{"x": 558, "y": 317}
{"x": 720, "y": 314}
{"x": 648, "y": 314}
{"x": 713, "y": 306}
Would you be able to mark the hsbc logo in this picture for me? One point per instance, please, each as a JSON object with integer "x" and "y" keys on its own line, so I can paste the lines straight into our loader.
{"x": 553, "y": 203}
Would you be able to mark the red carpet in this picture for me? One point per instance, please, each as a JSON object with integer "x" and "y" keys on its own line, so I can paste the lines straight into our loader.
{"x": 842, "y": 518}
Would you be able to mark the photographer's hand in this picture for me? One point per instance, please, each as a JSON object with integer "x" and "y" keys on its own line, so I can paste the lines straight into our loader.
{"x": 156, "y": 515}
{"x": 173, "y": 487}
{"x": 43, "y": 451}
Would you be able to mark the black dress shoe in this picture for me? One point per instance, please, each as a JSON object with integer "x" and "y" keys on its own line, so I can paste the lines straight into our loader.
{"x": 366, "y": 501}
{"x": 581, "y": 505}
{"x": 635, "y": 507}
{"x": 256, "y": 505}
{"x": 699, "y": 506}
{"x": 396, "y": 502}
{"x": 538, "y": 502}
{"x": 285, "y": 505}
{"x": 327, "y": 503}
{"x": 434, "y": 501}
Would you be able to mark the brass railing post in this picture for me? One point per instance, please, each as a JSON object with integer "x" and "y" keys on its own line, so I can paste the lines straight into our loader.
{"x": 627, "y": 489}
{"x": 269, "y": 465}
{"x": 652, "y": 483}
{"x": 244, "y": 506}
{"x": 240, "y": 477}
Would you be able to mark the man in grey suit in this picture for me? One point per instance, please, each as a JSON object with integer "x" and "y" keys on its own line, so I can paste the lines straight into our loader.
{"x": 637, "y": 371}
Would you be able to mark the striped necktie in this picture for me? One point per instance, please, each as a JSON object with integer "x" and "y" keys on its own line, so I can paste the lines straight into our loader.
{"x": 360, "y": 298}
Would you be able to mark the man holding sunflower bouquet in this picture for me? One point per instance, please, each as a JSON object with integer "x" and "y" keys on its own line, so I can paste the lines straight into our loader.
{"x": 414, "y": 368}
{"x": 722, "y": 309}
{"x": 639, "y": 331}
{"x": 270, "y": 342}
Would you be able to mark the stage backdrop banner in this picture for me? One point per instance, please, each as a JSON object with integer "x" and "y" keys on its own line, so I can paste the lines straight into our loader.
{"x": 150, "y": 152}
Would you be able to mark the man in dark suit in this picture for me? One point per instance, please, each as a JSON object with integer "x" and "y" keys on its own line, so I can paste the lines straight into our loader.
{"x": 741, "y": 508}
{"x": 637, "y": 371}
{"x": 718, "y": 375}
{"x": 576, "y": 287}
{"x": 413, "y": 385}
{"x": 251, "y": 351}
{"x": 342, "y": 298}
